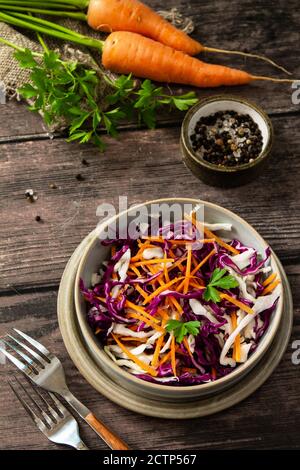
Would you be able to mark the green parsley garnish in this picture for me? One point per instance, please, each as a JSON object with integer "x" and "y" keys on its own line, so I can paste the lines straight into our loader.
{"x": 218, "y": 279}
{"x": 181, "y": 329}
{"x": 68, "y": 92}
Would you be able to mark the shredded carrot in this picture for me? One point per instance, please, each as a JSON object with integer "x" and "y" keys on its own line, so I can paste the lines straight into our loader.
{"x": 131, "y": 338}
{"x": 98, "y": 330}
{"x": 163, "y": 313}
{"x": 139, "y": 254}
{"x": 161, "y": 289}
{"x": 141, "y": 291}
{"x": 213, "y": 251}
{"x": 158, "y": 346}
{"x": 148, "y": 322}
{"x": 176, "y": 305}
{"x": 213, "y": 373}
{"x": 153, "y": 238}
{"x": 153, "y": 261}
{"x": 173, "y": 355}
{"x": 270, "y": 287}
{"x": 166, "y": 273}
{"x": 187, "y": 271}
{"x": 165, "y": 359}
{"x": 113, "y": 250}
{"x": 187, "y": 347}
{"x": 141, "y": 310}
{"x": 210, "y": 234}
{"x": 177, "y": 263}
{"x": 196, "y": 284}
{"x": 237, "y": 342}
{"x": 100, "y": 298}
{"x": 135, "y": 359}
{"x": 191, "y": 370}
{"x": 236, "y": 302}
{"x": 269, "y": 279}
{"x": 135, "y": 270}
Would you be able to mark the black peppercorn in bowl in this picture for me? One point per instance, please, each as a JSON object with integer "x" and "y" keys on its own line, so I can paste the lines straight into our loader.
{"x": 226, "y": 140}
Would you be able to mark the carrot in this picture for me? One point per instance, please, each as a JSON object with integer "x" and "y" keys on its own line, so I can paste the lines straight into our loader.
{"x": 161, "y": 289}
{"x": 202, "y": 262}
{"x": 270, "y": 287}
{"x": 269, "y": 279}
{"x": 151, "y": 323}
{"x": 187, "y": 271}
{"x": 173, "y": 355}
{"x": 135, "y": 359}
{"x": 134, "y": 16}
{"x": 140, "y": 310}
{"x": 126, "y": 52}
{"x": 158, "y": 346}
{"x": 237, "y": 342}
{"x": 236, "y": 302}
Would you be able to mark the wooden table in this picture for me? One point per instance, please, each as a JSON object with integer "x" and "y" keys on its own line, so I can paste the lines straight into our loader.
{"x": 145, "y": 164}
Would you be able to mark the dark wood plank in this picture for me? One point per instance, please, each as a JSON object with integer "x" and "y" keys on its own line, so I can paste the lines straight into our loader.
{"x": 270, "y": 418}
{"x": 259, "y": 27}
{"x": 140, "y": 165}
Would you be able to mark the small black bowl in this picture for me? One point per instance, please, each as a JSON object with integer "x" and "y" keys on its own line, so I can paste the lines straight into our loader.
{"x": 223, "y": 176}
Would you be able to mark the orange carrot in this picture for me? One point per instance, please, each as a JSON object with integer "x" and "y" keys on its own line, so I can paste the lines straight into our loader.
{"x": 135, "y": 359}
{"x": 125, "y": 52}
{"x": 173, "y": 355}
{"x": 270, "y": 287}
{"x": 269, "y": 279}
{"x": 236, "y": 302}
{"x": 237, "y": 342}
{"x": 134, "y": 16}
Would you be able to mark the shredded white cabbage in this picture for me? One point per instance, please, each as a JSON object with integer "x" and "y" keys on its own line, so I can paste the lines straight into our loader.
{"x": 261, "y": 303}
{"x": 150, "y": 253}
{"x": 199, "y": 309}
{"x": 121, "y": 267}
{"x": 122, "y": 330}
{"x": 242, "y": 260}
{"x": 220, "y": 226}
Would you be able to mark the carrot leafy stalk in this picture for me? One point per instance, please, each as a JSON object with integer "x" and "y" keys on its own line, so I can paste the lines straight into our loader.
{"x": 218, "y": 279}
{"x": 181, "y": 329}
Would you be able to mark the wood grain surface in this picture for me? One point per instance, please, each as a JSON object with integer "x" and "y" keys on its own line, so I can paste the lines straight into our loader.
{"x": 145, "y": 164}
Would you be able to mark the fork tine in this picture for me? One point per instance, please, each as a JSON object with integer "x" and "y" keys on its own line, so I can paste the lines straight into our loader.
{"x": 47, "y": 418}
{"x": 26, "y": 358}
{"x": 29, "y": 410}
{"x": 45, "y": 401}
{"x": 39, "y": 358}
{"x": 35, "y": 343}
{"x": 20, "y": 365}
{"x": 63, "y": 410}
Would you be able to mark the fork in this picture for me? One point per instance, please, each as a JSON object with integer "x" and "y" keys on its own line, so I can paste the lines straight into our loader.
{"x": 58, "y": 426}
{"x": 46, "y": 370}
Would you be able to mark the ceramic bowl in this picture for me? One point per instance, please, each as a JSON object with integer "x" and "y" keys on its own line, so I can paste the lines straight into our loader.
{"x": 220, "y": 175}
{"x": 90, "y": 262}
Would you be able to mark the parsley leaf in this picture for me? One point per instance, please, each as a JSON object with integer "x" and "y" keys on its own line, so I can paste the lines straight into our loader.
{"x": 181, "y": 329}
{"x": 67, "y": 92}
{"x": 218, "y": 279}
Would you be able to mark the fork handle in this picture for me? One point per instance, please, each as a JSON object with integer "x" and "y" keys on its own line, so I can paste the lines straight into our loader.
{"x": 111, "y": 439}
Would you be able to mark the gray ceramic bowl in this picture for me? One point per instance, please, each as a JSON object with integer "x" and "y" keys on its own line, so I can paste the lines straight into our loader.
{"x": 90, "y": 262}
{"x": 220, "y": 175}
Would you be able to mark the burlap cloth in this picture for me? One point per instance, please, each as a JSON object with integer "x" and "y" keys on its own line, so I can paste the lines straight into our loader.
{"x": 13, "y": 77}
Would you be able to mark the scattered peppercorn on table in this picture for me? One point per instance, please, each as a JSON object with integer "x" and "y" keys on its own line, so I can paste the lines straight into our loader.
{"x": 49, "y": 193}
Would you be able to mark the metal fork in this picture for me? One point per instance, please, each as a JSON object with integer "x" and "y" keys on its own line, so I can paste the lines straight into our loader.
{"x": 58, "y": 426}
{"x": 46, "y": 370}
